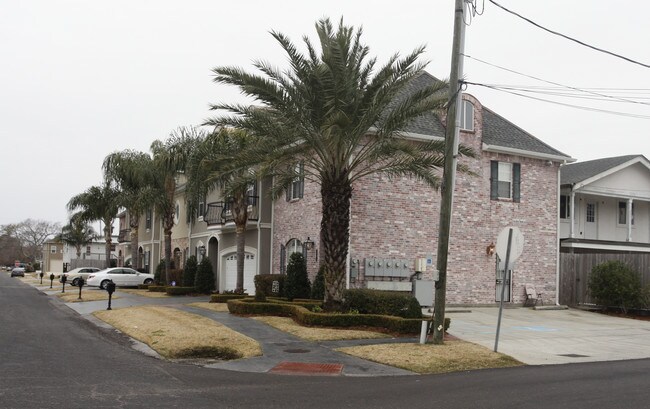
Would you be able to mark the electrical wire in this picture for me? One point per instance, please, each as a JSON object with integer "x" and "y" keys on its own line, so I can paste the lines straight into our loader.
{"x": 625, "y": 114}
{"x": 558, "y": 84}
{"x": 569, "y": 38}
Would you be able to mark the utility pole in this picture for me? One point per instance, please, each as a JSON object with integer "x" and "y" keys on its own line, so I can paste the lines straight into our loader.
{"x": 449, "y": 173}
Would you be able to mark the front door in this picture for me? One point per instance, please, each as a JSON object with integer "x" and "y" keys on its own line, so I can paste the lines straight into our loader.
{"x": 591, "y": 220}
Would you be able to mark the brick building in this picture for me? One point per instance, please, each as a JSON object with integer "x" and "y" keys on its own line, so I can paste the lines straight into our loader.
{"x": 395, "y": 220}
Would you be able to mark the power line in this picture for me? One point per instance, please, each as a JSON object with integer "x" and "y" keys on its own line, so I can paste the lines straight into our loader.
{"x": 567, "y": 37}
{"x": 556, "y": 83}
{"x": 560, "y": 103}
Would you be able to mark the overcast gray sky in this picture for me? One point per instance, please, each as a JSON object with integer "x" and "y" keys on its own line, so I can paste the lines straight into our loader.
{"x": 81, "y": 79}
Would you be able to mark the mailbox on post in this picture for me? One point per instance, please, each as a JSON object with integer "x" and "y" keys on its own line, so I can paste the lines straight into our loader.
{"x": 110, "y": 288}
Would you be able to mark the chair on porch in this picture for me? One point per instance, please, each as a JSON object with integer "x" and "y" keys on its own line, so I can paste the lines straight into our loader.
{"x": 532, "y": 297}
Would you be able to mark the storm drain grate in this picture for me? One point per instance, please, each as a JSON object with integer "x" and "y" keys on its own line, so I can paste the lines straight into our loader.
{"x": 306, "y": 368}
{"x": 574, "y": 355}
{"x": 296, "y": 351}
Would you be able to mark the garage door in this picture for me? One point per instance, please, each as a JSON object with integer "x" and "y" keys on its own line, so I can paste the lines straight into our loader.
{"x": 250, "y": 270}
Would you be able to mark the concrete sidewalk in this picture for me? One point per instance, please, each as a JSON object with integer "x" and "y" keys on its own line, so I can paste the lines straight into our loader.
{"x": 538, "y": 337}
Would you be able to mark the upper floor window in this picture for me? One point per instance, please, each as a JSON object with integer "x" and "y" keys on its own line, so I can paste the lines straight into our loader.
{"x": 148, "y": 217}
{"x": 201, "y": 210}
{"x": 87, "y": 249}
{"x": 297, "y": 188}
{"x": 622, "y": 213}
{"x": 177, "y": 212}
{"x": 505, "y": 180}
{"x": 53, "y": 250}
{"x": 467, "y": 116}
{"x": 565, "y": 206}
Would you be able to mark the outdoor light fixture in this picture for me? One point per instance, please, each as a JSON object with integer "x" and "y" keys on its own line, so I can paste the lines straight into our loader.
{"x": 202, "y": 250}
{"x": 309, "y": 244}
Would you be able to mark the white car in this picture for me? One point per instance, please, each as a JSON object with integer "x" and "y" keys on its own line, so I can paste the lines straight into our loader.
{"x": 72, "y": 276}
{"x": 121, "y": 276}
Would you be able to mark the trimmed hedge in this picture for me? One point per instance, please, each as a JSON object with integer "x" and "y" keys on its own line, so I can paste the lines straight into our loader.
{"x": 143, "y": 286}
{"x": 157, "y": 288}
{"x": 382, "y": 302}
{"x": 224, "y": 298}
{"x": 176, "y": 290}
{"x": 305, "y": 317}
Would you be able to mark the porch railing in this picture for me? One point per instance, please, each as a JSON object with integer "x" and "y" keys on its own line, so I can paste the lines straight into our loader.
{"x": 220, "y": 213}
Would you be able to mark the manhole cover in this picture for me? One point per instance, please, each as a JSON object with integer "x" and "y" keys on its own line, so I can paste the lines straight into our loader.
{"x": 574, "y": 355}
{"x": 297, "y": 351}
{"x": 305, "y": 368}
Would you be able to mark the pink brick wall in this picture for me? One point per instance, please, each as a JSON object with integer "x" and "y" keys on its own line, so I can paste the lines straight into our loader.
{"x": 398, "y": 218}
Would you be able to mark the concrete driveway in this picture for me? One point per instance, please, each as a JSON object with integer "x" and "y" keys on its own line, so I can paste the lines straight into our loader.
{"x": 538, "y": 337}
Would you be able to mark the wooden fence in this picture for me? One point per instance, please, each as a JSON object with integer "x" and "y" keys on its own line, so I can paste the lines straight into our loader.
{"x": 575, "y": 270}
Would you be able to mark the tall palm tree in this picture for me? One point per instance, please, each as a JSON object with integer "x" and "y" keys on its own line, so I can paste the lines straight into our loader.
{"x": 77, "y": 233}
{"x": 341, "y": 115}
{"x": 131, "y": 172}
{"x": 214, "y": 165}
{"x": 98, "y": 203}
{"x": 168, "y": 163}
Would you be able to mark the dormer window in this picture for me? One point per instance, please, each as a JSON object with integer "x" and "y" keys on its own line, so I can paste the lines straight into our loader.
{"x": 467, "y": 116}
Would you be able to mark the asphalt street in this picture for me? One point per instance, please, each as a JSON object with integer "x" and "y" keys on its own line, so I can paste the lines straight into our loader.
{"x": 53, "y": 358}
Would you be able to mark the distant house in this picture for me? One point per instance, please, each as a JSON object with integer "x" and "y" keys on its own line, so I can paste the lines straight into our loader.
{"x": 604, "y": 213}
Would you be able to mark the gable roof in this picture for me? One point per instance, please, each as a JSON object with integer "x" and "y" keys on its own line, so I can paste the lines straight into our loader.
{"x": 497, "y": 131}
{"x": 581, "y": 171}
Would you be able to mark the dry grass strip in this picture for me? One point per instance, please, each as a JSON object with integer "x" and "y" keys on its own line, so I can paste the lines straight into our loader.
{"x": 144, "y": 293}
{"x": 178, "y": 334}
{"x": 73, "y": 296}
{"x": 317, "y": 334}
{"x": 216, "y": 307}
{"x": 452, "y": 356}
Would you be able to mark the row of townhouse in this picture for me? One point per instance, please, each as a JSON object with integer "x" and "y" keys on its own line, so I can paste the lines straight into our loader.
{"x": 515, "y": 181}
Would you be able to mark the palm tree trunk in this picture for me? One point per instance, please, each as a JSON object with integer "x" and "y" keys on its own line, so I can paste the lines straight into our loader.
{"x": 109, "y": 242}
{"x": 168, "y": 255}
{"x": 135, "y": 244}
{"x": 240, "y": 213}
{"x": 335, "y": 232}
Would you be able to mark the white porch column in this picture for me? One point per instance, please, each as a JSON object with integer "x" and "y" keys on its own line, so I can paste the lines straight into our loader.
{"x": 629, "y": 219}
{"x": 573, "y": 213}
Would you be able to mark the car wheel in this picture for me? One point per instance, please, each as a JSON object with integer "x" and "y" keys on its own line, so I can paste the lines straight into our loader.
{"x": 75, "y": 282}
{"x": 103, "y": 284}
{"x": 148, "y": 281}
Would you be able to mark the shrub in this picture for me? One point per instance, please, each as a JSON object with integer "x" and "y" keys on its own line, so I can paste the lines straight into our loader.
{"x": 143, "y": 286}
{"x": 615, "y": 284}
{"x": 175, "y": 276}
{"x": 309, "y": 318}
{"x": 157, "y": 288}
{"x": 189, "y": 272}
{"x": 296, "y": 285}
{"x": 264, "y": 285}
{"x": 204, "y": 280}
{"x": 318, "y": 286}
{"x": 159, "y": 274}
{"x": 224, "y": 298}
{"x": 382, "y": 302}
{"x": 177, "y": 290}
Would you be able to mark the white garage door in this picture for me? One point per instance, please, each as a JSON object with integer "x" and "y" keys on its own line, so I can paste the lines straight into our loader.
{"x": 250, "y": 270}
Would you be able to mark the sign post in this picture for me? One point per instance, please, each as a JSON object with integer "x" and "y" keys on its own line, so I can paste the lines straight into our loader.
{"x": 513, "y": 246}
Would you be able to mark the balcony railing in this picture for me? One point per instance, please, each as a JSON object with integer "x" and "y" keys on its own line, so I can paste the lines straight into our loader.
{"x": 124, "y": 236}
{"x": 219, "y": 213}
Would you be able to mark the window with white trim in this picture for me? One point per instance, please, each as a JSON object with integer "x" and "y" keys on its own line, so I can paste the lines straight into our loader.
{"x": 467, "y": 116}
{"x": 53, "y": 250}
{"x": 505, "y": 180}
{"x": 622, "y": 213}
{"x": 565, "y": 206}
{"x": 297, "y": 187}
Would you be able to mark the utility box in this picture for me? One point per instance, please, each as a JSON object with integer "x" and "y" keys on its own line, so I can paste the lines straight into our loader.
{"x": 421, "y": 265}
{"x": 423, "y": 292}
